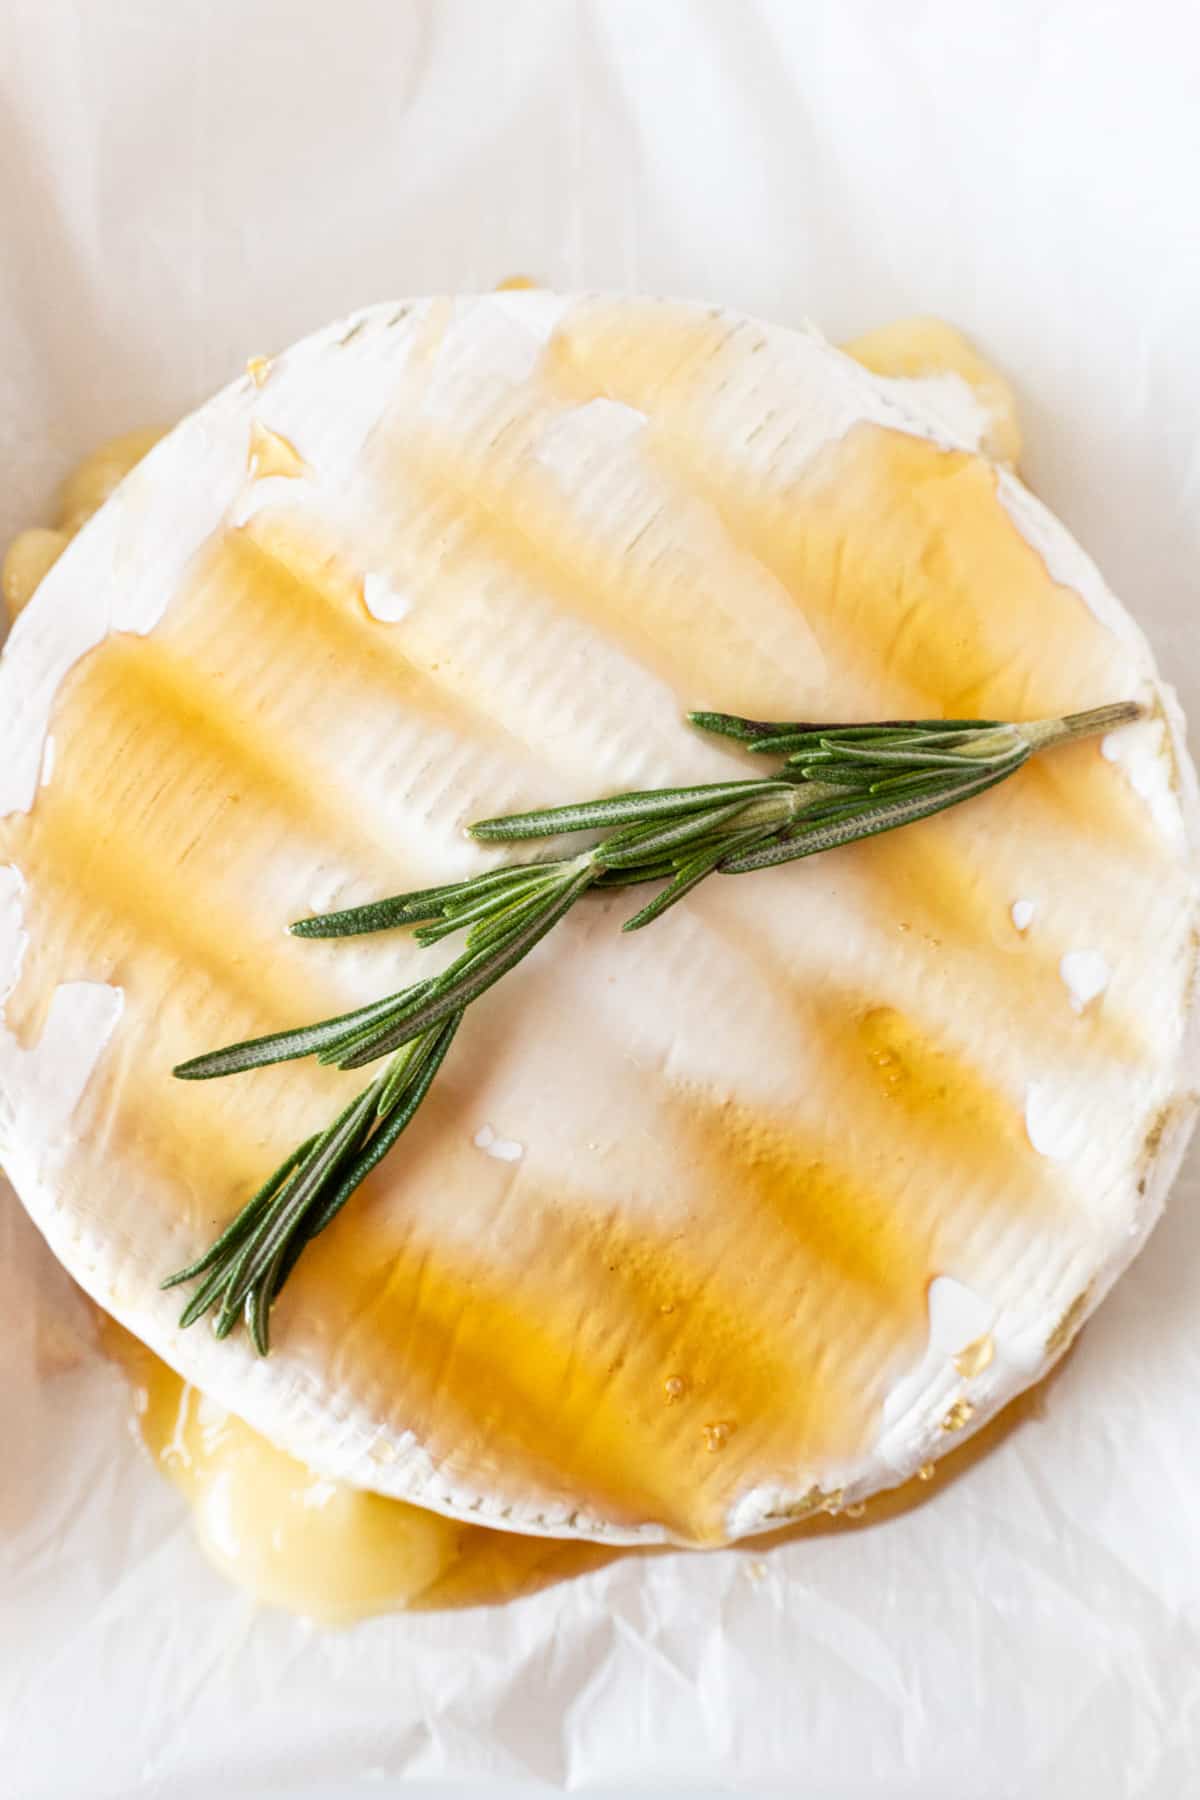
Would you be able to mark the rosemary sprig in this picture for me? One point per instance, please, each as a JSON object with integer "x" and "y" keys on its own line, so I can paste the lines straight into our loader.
{"x": 835, "y": 784}
{"x": 248, "y": 1264}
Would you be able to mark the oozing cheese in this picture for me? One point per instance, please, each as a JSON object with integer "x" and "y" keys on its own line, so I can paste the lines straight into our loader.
{"x": 334, "y": 1553}
{"x": 320, "y": 1548}
{"x": 754, "y": 1141}
{"x": 32, "y": 554}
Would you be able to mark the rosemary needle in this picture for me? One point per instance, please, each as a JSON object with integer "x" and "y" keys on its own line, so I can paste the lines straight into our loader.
{"x": 834, "y": 784}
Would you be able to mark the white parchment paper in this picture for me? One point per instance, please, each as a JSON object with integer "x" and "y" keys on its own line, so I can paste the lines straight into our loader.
{"x": 184, "y": 184}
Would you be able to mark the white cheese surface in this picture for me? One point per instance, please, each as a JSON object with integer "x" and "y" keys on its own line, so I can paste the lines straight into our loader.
{"x": 458, "y": 556}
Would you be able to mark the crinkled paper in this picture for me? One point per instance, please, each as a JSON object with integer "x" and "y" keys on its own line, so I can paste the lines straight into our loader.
{"x": 182, "y": 185}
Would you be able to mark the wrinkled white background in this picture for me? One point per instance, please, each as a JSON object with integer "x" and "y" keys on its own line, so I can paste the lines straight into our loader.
{"x": 183, "y": 184}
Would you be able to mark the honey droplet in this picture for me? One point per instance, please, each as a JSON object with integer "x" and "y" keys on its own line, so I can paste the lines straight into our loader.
{"x": 1069, "y": 1324}
{"x": 974, "y": 1357}
{"x": 270, "y": 454}
{"x": 258, "y": 368}
{"x": 960, "y": 1414}
{"x": 857, "y": 1510}
{"x": 815, "y": 1500}
{"x": 718, "y": 1434}
{"x": 674, "y": 1388}
{"x": 926, "y": 1472}
{"x": 891, "y": 1069}
{"x": 668, "y": 1306}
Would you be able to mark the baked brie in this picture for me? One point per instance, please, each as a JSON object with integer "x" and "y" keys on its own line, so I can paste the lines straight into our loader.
{"x": 701, "y": 1230}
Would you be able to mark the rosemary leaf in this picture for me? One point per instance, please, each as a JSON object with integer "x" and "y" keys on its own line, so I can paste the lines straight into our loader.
{"x": 482, "y": 974}
{"x": 399, "y": 909}
{"x": 916, "y": 756}
{"x": 620, "y": 809}
{"x": 253, "y": 1262}
{"x": 397, "y": 1115}
{"x": 763, "y": 735}
{"x": 236, "y": 1232}
{"x": 864, "y": 822}
{"x": 495, "y": 903}
{"x": 690, "y": 874}
{"x": 654, "y": 840}
{"x": 279, "y": 1046}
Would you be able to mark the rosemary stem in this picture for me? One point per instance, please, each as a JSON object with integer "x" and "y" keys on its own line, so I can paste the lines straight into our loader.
{"x": 1043, "y": 733}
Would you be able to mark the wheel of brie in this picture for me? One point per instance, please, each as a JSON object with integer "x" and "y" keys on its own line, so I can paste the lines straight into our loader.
{"x": 700, "y": 1230}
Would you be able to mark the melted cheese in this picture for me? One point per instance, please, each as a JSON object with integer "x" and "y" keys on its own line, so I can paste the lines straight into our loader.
{"x": 329, "y": 1552}
{"x": 751, "y": 1140}
{"x": 29, "y": 558}
{"x": 33, "y": 553}
{"x": 318, "y": 1548}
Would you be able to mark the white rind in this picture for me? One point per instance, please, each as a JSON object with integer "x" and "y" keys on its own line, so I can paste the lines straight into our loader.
{"x": 134, "y": 562}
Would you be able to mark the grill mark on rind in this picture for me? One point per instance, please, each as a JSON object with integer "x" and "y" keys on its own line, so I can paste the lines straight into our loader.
{"x": 556, "y": 1386}
{"x": 521, "y": 516}
{"x": 331, "y": 607}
